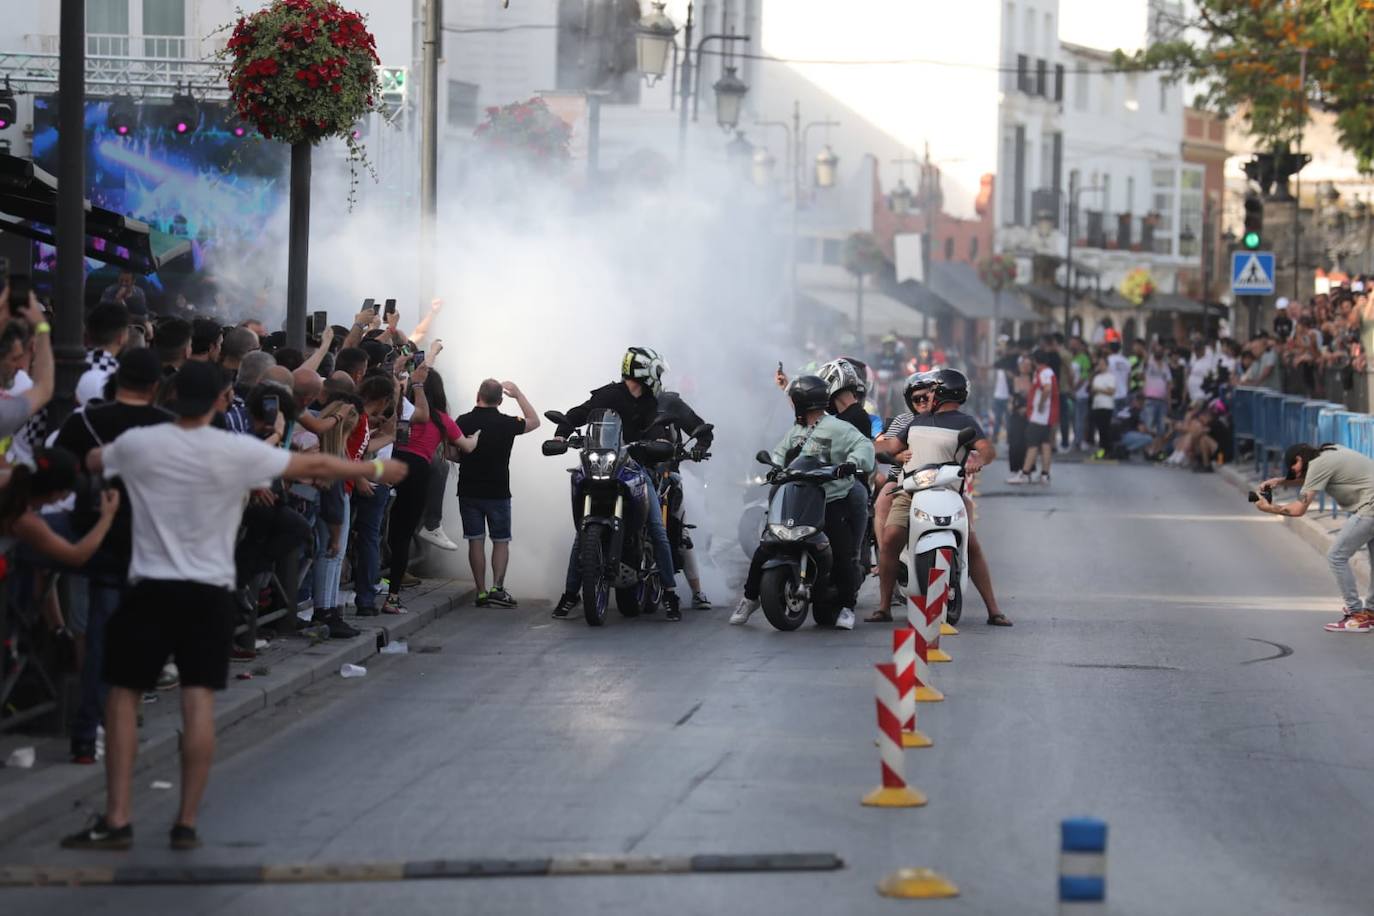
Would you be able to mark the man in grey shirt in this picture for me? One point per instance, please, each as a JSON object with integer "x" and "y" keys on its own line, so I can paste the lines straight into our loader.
{"x": 1348, "y": 477}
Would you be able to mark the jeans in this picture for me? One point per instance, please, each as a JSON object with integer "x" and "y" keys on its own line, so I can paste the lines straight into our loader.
{"x": 856, "y": 507}
{"x": 104, "y": 599}
{"x": 434, "y": 500}
{"x": 367, "y": 561}
{"x": 999, "y": 416}
{"x": 1153, "y": 414}
{"x": 1135, "y": 441}
{"x": 658, "y": 536}
{"x": 1066, "y": 405}
{"x": 1356, "y": 534}
{"x": 328, "y": 570}
{"x": 1081, "y": 409}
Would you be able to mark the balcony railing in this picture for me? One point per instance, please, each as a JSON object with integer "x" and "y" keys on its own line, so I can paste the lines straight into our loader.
{"x": 154, "y": 47}
{"x": 1121, "y": 232}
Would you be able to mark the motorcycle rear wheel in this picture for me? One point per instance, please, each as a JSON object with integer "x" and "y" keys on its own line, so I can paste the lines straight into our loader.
{"x": 784, "y": 610}
{"x": 596, "y": 590}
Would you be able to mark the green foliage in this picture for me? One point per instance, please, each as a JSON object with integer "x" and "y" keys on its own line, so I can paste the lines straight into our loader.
{"x": 1248, "y": 55}
{"x": 862, "y": 256}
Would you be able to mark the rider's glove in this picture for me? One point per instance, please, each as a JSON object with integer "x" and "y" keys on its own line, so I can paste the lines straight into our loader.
{"x": 698, "y": 453}
{"x": 848, "y": 469}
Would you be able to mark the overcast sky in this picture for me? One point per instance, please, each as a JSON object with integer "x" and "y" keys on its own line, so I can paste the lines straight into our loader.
{"x": 1105, "y": 24}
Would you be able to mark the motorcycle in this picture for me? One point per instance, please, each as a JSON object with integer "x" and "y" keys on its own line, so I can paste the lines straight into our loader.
{"x": 610, "y": 513}
{"x": 938, "y": 538}
{"x": 796, "y": 573}
{"x": 670, "y": 495}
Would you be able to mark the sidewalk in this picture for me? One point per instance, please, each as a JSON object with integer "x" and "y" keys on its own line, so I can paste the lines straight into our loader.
{"x": 286, "y": 666}
{"x": 1317, "y": 529}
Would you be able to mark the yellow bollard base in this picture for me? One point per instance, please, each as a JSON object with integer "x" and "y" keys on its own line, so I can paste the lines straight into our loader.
{"x": 917, "y": 884}
{"x": 916, "y": 738}
{"x": 928, "y": 695}
{"x": 938, "y": 655}
{"x": 895, "y": 798}
{"x": 947, "y": 630}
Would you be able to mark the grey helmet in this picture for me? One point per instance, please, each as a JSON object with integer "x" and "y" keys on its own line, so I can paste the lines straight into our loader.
{"x": 840, "y": 374}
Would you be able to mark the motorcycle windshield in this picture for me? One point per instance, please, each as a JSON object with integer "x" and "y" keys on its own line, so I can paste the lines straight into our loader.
{"x": 796, "y": 504}
{"x": 604, "y": 431}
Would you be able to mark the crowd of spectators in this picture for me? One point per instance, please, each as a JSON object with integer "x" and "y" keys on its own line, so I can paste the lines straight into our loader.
{"x": 211, "y": 481}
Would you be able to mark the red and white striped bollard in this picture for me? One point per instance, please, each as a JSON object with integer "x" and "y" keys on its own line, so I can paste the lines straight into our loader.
{"x": 894, "y": 791}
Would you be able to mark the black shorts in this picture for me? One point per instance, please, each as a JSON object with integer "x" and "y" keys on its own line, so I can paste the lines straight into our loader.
{"x": 191, "y": 622}
{"x": 1037, "y": 434}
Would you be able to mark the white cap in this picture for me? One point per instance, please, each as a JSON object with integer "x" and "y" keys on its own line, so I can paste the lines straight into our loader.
{"x": 1281, "y": 304}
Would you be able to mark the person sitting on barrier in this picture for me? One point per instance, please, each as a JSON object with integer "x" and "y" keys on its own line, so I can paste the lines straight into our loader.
{"x": 1348, "y": 477}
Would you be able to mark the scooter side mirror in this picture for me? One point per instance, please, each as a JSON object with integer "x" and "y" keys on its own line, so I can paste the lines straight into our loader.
{"x": 554, "y": 416}
{"x": 764, "y": 458}
{"x": 967, "y": 435}
{"x": 554, "y": 447}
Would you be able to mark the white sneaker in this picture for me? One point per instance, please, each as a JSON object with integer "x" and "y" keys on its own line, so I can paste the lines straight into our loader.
{"x": 846, "y": 619}
{"x": 741, "y": 615}
{"x": 438, "y": 538}
{"x": 1044, "y": 480}
{"x": 1018, "y": 478}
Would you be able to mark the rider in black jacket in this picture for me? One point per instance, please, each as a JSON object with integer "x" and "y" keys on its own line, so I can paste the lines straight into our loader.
{"x": 677, "y": 421}
{"x": 635, "y": 399}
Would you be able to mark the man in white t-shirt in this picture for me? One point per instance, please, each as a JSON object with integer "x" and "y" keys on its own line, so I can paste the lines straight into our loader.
{"x": 1120, "y": 367}
{"x": 187, "y": 483}
{"x": 1201, "y": 364}
{"x": 1041, "y": 410}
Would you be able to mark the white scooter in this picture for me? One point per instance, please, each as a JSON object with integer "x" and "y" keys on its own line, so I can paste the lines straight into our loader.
{"x": 937, "y": 543}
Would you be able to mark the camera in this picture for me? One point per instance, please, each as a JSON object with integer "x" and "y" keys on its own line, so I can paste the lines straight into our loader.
{"x": 1267, "y": 493}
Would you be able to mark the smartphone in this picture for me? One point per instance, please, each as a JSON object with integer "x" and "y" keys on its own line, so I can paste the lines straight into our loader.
{"x": 270, "y": 406}
{"x": 402, "y": 432}
{"x": 389, "y": 309}
{"x": 321, "y": 322}
{"x": 416, "y": 360}
{"x": 20, "y": 285}
{"x": 310, "y": 326}
{"x": 370, "y": 304}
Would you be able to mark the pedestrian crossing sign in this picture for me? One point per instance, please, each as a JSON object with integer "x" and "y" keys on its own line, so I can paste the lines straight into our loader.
{"x": 1252, "y": 273}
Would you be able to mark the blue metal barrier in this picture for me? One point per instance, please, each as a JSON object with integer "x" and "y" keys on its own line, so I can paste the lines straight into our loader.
{"x": 1292, "y": 421}
{"x": 1362, "y": 435}
{"x": 1243, "y": 412}
{"x": 1268, "y": 429}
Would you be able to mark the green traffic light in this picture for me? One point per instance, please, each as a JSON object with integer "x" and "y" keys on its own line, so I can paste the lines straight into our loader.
{"x": 1251, "y": 240}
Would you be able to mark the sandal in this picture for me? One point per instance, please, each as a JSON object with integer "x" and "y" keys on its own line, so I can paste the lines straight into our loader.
{"x": 879, "y": 617}
{"x": 999, "y": 620}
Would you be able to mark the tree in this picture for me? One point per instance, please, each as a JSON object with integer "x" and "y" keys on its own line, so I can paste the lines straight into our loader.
{"x": 1248, "y": 56}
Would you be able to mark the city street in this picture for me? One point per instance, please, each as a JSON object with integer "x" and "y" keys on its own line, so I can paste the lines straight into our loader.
{"x": 1147, "y": 681}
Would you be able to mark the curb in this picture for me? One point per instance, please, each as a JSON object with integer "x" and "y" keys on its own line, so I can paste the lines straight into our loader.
{"x": 56, "y": 791}
{"x": 1315, "y": 530}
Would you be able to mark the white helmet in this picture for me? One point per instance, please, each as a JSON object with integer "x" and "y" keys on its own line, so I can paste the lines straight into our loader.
{"x": 644, "y": 366}
{"x": 839, "y": 374}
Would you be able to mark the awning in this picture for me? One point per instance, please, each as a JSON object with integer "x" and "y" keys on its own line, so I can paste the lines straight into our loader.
{"x": 28, "y": 207}
{"x": 1159, "y": 302}
{"x": 835, "y": 289}
{"x": 958, "y": 284}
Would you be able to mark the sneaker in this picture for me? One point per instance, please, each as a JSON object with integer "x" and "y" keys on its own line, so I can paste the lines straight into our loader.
{"x": 338, "y": 627}
{"x": 673, "y": 605}
{"x": 566, "y": 603}
{"x": 393, "y": 604}
{"x": 83, "y": 752}
{"x": 1018, "y": 478}
{"x": 438, "y": 538}
{"x": 240, "y": 654}
{"x": 499, "y": 597}
{"x": 1045, "y": 480}
{"x": 846, "y": 619}
{"x": 361, "y": 611}
{"x": 1358, "y": 622}
{"x": 182, "y": 837}
{"x": 482, "y": 600}
{"x": 169, "y": 677}
{"x": 742, "y": 613}
{"x": 409, "y": 580}
{"x": 100, "y": 835}
{"x": 700, "y": 602}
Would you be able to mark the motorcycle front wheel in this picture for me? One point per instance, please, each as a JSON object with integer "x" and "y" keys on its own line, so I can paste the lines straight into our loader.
{"x": 596, "y": 591}
{"x": 783, "y": 607}
{"x": 643, "y": 596}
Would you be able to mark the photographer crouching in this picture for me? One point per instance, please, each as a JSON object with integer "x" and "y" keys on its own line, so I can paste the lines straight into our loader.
{"x": 1348, "y": 478}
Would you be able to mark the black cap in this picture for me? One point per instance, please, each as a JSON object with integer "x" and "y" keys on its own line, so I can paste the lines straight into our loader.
{"x": 196, "y": 387}
{"x": 138, "y": 368}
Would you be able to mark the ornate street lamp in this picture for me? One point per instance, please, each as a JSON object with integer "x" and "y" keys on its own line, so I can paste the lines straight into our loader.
{"x": 730, "y": 92}
{"x": 762, "y": 168}
{"x": 901, "y": 199}
{"x": 826, "y": 163}
{"x": 653, "y": 42}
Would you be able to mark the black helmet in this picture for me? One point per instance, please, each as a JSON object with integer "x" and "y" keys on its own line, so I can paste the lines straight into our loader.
{"x": 951, "y": 386}
{"x": 808, "y": 392}
{"x": 918, "y": 381}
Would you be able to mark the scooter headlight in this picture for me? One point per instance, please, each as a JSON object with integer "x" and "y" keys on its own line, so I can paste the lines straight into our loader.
{"x": 600, "y": 464}
{"x": 923, "y": 516}
{"x": 784, "y": 533}
{"x": 924, "y": 479}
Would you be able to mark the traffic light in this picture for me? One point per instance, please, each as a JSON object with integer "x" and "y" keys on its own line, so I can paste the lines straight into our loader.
{"x": 1254, "y": 222}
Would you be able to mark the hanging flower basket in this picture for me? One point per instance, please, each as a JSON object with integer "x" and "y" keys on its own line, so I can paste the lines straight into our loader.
{"x": 1137, "y": 287}
{"x": 862, "y": 256}
{"x": 527, "y": 131}
{"x": 997, "y": 272}
{"x": 301, "y": 71}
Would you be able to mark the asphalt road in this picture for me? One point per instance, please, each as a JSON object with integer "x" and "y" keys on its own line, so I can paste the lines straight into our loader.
{"x": 1134, "y": 687}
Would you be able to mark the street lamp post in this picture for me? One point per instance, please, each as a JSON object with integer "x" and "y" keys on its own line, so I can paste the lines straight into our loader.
{"x": 1068, "y": 251}
{"x": 654, "y": 41}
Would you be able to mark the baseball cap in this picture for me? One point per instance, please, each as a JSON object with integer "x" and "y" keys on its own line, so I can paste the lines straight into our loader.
{"x": 1281, "y": 304}
{"x": 196, "y": 387}
{"x": 138, "y": 368}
